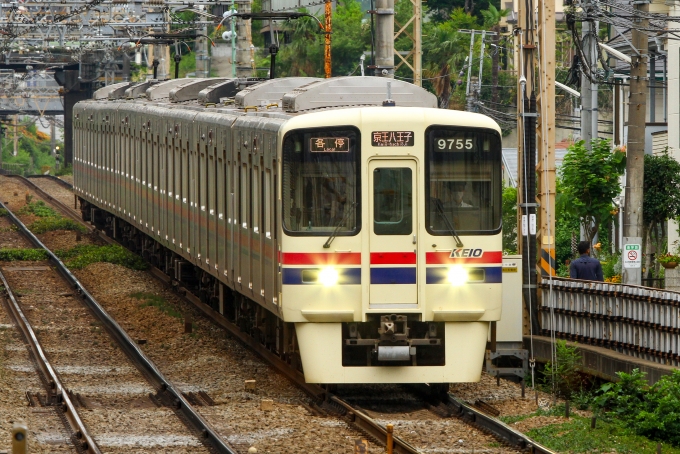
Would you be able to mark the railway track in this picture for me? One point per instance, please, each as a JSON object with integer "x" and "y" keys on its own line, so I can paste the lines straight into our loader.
{"x": 361, "y": 420}
{"x": 111, "y": 381}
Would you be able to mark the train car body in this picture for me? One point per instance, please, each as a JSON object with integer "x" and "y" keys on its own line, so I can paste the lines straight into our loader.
{"x": 360, "y": 239}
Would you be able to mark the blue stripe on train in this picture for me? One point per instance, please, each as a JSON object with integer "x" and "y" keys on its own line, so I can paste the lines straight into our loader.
{"x": 346, "y": 276}
{"x": 490, "y": 275}
{"x": 393, "y": 275}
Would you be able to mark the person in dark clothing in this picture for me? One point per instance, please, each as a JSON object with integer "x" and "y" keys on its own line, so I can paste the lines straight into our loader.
{"x": 585, "y": 267}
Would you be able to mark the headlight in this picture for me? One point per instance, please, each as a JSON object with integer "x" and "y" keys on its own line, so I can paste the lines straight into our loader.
{"x": 458, "y": 275}
{"x": 328, "y": 276}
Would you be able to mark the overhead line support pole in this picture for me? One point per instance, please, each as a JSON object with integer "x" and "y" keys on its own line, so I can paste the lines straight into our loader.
{"x": 327, "y": 38}
{"x": 545, "y": 132}
{"x": 635, "y": 159}
{"x": 526, "y": 147}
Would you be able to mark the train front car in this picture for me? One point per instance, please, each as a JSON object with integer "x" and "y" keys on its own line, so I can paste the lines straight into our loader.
{"x": 391, "y": 242}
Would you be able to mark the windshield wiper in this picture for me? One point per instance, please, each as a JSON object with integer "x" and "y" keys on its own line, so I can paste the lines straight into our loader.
{"x": 449, "y": 225}
{"x": 330, "y": 239}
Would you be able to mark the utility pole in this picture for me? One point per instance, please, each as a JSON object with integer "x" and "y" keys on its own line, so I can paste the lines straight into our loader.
{"x": 202, "y": 55}
{"x": 526, "y": 151}
{"x": 53, "y": 140}
{"x": 478, "y": 90}
{"x": 589, "y": 112}
{"x": 384, "y": 43}
{"x": 243, "y": 41}
{"x": 473, "y": 91}
{"x": 15, "y": 128}
{"x": 328, "y": 9}
{"x": 536, "y": 101}
{"x": 635, "y": 159}
{"x": 468, "y": 98}
{"x": 545, "y": 132}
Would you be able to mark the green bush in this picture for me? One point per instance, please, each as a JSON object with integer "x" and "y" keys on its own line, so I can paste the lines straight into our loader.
{"x": 10, "y": 255}
{"x": 651, "y": 411}
{"x": 81, "y": 256}
{"x": 55, "y": 223}
{"x": 564, "y": 374}
{"x": 67, "y": 170}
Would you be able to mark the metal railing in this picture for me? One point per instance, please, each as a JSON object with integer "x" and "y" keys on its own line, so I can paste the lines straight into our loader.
{"x": 638, "y": 321}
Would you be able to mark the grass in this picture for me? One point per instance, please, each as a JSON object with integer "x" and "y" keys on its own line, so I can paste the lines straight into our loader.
{"x": 11, "y": 255}
{"x": 3, "y": 212}
{"x": 48, "y": 219}
{"x": 83, "y": 255}
{"x": 49, "y": 224}
{"x": 39, "y": 209}
{"x": 576, "y": 436}
{"x": 151, "y": 300}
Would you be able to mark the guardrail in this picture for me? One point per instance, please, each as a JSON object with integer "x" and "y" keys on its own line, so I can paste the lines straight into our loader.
{"x": 638, "y": 321}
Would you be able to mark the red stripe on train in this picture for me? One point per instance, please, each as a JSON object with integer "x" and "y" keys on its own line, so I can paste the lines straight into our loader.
{"x": 393, "y": 258}
{"x": 441, "y": 258}
{"x": 333, "y": 258}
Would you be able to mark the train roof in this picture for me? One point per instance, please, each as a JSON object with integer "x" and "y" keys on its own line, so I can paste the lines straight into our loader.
{"x": 287, "y": 96}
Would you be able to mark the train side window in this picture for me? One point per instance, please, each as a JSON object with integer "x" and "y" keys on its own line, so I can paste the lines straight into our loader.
{"x": 255, "y": 197}
{"x": 244, "y": 195}
{"x": 267, "y": 203}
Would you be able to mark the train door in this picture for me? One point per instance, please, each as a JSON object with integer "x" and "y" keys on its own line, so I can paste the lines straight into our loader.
{"x": 393, "y": 240}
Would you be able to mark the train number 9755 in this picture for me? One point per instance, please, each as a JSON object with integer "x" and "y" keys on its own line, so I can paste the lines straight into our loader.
{"x": 454, "y": 144}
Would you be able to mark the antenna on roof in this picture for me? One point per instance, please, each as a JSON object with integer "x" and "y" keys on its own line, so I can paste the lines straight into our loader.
{"x": 389, "y": 102}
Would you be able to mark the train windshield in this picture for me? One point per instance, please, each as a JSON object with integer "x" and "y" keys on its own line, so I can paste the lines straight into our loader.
{"x": 321, "y": 183}
{"x": 463, "y": 173}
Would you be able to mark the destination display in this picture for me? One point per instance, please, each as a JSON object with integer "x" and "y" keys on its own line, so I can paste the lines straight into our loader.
{"x": 329, "y": 144}
{"x": 392, "y": 138}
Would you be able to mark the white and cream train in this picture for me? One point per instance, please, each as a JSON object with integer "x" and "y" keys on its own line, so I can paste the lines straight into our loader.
{"x": 357, "y": 234}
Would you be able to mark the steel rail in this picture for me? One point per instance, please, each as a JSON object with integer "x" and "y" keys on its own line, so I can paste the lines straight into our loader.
{"x": 65, "y": 184}
{"x": 368, "y": 425}
{"x": 364, "y": 422}
{"x": 144, "y": 364}
{"x": 60, "y": 206}
{"x": 77, "y": 425}
{"x": 220, "y": 320}
{"x": 497, "y": 428}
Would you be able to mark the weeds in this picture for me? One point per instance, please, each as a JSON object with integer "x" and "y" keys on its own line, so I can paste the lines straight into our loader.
{"x": 3, "y": 212}
{"x": 39, "y": 209}
{"x": 564, "y": 376}
{"x": 651, "y": 411}
{"x": 81, "y": 256}
{"x": 11, "y": 255}
{"x": 48, "y": 219}
{"x": 576, "y": 436}
{"x": 151, "y": 300}
{"x": 49, "y": 224}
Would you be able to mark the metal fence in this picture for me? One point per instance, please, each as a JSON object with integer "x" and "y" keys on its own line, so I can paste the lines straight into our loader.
{"x": 638, "y": 321}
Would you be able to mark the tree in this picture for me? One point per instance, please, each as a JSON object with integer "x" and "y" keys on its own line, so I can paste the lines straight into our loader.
{"x": 304, "y": 55}
{"x": 441, "y": 9}
{"x": 591, "y": 181}
{"x": 510, "y": 220}
{"x": 445, "y": 50}
{"x": 565, "y": 231}
{"x": 660, "y": 201}
{"x": 492, "y": 20}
